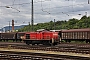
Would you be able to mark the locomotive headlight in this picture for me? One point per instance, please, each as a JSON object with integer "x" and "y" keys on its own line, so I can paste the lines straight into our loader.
{"x": 22, "y": 37}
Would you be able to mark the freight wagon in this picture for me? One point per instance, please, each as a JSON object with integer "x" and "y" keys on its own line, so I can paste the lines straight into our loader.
{"x": 11, "y": 36}
{"x": 76, "y": 34}
{"x": 7, "y": 36}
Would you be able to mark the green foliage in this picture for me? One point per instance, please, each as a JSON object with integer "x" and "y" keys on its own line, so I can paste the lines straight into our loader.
{"x": 84, "y": 22}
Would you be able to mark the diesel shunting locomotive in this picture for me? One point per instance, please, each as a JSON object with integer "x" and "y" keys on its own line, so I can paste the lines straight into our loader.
{"x": 41, "y": 37}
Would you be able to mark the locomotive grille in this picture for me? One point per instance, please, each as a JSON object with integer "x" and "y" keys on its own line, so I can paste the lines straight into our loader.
{"x": 27, "y": 36}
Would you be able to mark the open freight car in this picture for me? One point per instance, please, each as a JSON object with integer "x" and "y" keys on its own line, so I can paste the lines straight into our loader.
{"x": 7, "y": 36}
{"x": 76, "y": 34}
{"x": 41, "y": 37}
{"x": 11, "y": 36}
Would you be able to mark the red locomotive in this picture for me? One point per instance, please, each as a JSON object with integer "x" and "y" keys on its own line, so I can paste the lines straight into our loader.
{"x": 41, "y": 37}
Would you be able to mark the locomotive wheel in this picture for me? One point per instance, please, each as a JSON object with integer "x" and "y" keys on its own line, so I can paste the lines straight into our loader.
{"x": 46, "y": 43}
{"x": 69, "y": 41}
{"x": 52, "y": 44}
{"x": 33, "y": 44}
{"x": 27, "y": 43}
{"x": 0, "y": 40}
{"x": 66, "y": 41}
{"x": 6, "y": 40}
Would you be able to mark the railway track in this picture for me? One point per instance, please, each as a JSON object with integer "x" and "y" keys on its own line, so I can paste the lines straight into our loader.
{"x": 74, "y": 48}
{"x": 6, "y": 55}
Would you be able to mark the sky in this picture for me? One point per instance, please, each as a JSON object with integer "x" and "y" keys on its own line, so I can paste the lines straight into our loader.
{"x": 44, "y": 11}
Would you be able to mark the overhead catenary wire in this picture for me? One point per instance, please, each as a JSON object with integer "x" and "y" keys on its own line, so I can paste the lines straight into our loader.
{"x": 42, "y": 6}
{"x": 24, "y": 3}
{"x": 43, "y": 9}
{"x": 70, "y": 6}
{"x": 50, "y": 10}
{"x": 41, "y": 2}
{"x": 13, "y": 2}
{"x": 20, "y": 3}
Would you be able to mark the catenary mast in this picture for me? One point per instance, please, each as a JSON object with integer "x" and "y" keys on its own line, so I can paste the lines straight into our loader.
{"x": 32, "y": 16}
